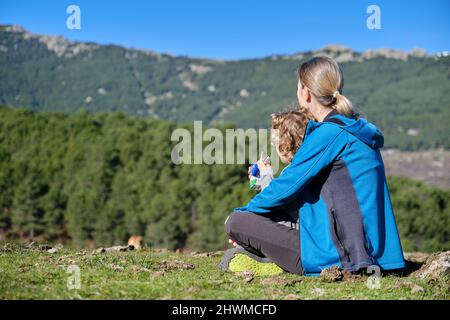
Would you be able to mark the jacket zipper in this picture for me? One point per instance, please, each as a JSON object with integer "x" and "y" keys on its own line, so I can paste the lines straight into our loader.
{"x": 338, "y": 237}
{"x": 366, "y": 243}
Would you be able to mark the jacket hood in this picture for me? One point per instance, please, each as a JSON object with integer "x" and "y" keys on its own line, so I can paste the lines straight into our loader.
{"x": 360, "y": 128}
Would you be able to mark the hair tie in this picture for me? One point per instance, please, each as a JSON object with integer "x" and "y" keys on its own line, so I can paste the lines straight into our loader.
{"x": 335, "y": 94}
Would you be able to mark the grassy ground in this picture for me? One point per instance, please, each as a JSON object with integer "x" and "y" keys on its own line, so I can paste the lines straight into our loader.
{"x": 158, "y": 274}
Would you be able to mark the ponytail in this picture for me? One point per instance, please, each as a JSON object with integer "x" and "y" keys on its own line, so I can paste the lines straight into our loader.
{"x": 344, "y": 106}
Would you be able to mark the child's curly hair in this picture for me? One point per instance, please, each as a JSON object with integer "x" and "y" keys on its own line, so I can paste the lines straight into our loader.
{"x": 291, "y": 125}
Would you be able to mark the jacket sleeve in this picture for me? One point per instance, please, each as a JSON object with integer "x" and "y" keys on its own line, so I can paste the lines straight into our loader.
{"x": 320, "y": 148}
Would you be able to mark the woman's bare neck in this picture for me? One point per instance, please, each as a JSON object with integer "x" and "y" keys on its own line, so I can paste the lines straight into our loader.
{"x": 321, "y": 113}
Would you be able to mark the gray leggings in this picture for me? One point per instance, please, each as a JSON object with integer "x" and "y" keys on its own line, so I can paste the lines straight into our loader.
{"x": 272, "y": 235}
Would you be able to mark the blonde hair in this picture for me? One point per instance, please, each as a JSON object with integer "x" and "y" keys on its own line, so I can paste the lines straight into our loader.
{"x": 323, "y": 76}
{"x": 291, "y": 127}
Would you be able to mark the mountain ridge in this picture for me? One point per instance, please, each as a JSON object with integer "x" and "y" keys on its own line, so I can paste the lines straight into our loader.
{"x": 405, "y": 94}
{"x": 391, "y": 53}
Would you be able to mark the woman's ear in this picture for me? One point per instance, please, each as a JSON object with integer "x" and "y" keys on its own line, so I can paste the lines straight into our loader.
{"x": 306, "y": 94}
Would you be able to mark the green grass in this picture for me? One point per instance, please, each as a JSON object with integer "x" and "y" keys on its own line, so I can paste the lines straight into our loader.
{"x": 34, "y": 274}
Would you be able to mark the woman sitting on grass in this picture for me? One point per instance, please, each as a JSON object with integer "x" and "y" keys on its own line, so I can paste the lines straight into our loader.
{"x": 336, "y": 178}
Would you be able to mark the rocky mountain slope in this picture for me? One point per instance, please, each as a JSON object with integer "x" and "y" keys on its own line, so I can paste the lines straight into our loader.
{"x": 404, "y": 93}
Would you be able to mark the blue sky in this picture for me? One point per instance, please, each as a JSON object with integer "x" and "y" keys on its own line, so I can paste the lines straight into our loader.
{"x": 234, "y": 29}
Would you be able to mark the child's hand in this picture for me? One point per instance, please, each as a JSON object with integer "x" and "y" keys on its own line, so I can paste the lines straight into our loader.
{"x": 263, "y": 162}
{"x": 263, "y": 165}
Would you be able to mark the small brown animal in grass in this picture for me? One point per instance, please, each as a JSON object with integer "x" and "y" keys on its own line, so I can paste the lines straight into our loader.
{"x": 135, "y": 241}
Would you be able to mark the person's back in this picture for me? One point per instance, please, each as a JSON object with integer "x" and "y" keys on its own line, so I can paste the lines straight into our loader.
{"x": 348, "y": 206}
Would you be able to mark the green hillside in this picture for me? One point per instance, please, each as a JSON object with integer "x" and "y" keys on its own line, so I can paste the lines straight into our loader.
{"x": 406, "y": 95}
{"x": 100, "y": 178}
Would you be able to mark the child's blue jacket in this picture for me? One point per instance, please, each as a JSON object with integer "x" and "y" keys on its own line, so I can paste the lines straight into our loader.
{"x": 337, "y": 177}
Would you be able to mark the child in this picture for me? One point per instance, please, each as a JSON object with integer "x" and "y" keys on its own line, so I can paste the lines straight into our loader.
{"x": 288, "y": 130}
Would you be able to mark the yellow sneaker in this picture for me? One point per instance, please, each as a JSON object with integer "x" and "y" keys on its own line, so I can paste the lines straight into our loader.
{"x": 238, "y": 260}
